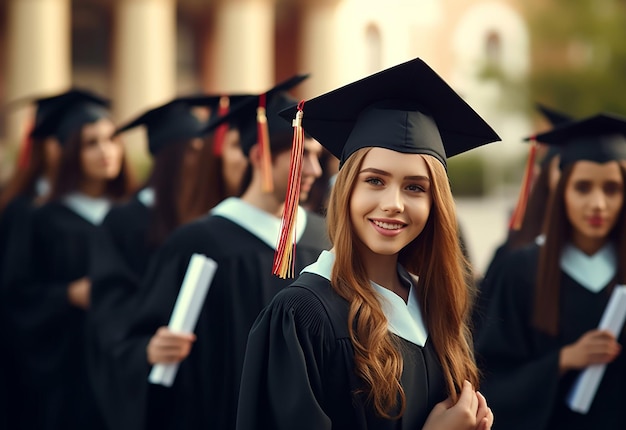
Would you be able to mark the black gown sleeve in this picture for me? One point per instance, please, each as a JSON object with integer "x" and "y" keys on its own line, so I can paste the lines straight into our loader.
{"x": 281, "y": 385}
{"x": 520, "y": 368}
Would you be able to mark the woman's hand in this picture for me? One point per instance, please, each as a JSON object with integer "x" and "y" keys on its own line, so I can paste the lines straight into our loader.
{"x": 469, "y": 413}
{"x": 593, "y": 347}
{"x": 79, "y": 293}
{"x": 167, "y": 347}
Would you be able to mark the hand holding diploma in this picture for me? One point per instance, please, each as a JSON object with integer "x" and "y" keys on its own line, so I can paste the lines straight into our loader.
{"x": 167, "y": 347}
{"x": 171, "y": 344}
{"x": 596, "y": 348}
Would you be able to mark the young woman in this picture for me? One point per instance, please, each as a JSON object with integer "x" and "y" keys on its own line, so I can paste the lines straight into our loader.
{"x": 373, "y": 335}
{"x": 55, "y": 292}
{"x": 548, "y": 299}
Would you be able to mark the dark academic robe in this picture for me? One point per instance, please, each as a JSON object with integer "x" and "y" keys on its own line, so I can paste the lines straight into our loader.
{"x": 51, "y": 328}
{"x": 127, "y": 225}
{"x": 485, "y": 288}
{"x": 15, "y": 396}
{"x": 520, "y": 364}
{"x": 118, "y": 261}
{"x": 299, "y": 368}
{"x": 204, "y": 394}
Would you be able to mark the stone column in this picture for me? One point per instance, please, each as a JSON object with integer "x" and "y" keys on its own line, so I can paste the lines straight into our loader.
{"x": 39, "y": 55}
{"x": 243, "y": 48}
{"x": 144, "y": 60}
{"x": 318, "y": 37}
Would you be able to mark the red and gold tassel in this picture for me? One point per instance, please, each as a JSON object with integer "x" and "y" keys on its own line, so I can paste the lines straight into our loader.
{"x": 220, "y": 133}
{"x": 520, "y": 209}
{"x": 264, "y": 145}
{"x": 284, "y": 257}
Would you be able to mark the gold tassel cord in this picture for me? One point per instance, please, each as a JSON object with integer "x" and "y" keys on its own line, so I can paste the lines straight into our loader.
{"x": 264, "y": 144}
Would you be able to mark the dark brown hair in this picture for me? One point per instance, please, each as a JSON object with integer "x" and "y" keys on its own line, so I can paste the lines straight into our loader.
{"x": 443, "y": 293}
{"x": 558, "y": 231}
{"x": 181, "y": 194}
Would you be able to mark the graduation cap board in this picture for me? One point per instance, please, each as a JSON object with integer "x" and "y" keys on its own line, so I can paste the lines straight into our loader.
{"x": 63, "y": 114}
{"x": 244, "y": 114}
{"x": 408, "y": 108}
{"x": 171, "y": 122}
{"x": 599, "y": 138}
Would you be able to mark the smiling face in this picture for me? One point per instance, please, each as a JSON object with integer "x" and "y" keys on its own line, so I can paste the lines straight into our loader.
{"x": 594, "y": 196}
{"x": 391, "y": 200}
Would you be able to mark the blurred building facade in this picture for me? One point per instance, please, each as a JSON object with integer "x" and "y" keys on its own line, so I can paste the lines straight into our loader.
{"x": 144, "y": 52}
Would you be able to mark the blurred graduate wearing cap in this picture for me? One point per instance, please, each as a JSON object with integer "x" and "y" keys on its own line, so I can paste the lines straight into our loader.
{"x": 178, "y": 190}
{"x": 49, "y": 287}
{"x": 357, "y": 341}
{"x": 29, "y": 184}
{"x": 240, "y": 235}
{"x": 550, "y": 296}
{"x": 526, "y": 223}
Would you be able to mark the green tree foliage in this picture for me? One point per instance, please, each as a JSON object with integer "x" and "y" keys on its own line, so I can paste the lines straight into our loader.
{"x": 579, "y": 55}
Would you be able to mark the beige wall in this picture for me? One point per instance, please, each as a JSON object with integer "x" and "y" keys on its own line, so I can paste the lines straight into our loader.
{"x": 241, "y": 45}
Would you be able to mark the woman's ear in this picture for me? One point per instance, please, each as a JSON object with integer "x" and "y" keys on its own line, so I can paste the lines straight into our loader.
{"x": 255, "y": 156}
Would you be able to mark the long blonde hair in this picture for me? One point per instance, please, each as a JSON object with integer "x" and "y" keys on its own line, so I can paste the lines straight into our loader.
{"x": 435, "y": 255}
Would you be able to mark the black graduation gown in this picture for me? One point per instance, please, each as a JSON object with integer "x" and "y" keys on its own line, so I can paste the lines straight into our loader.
{"x": 204, "y": 394}
{"x": 52, "y": 329}
{"x": 15, "y": 396}
{"x": 299, "y": 368}
{"x": 118, "y": 261}
{"x": 486, "y": 286}
{"x": 520, "y": 364}
{"x": 127, "y": 225}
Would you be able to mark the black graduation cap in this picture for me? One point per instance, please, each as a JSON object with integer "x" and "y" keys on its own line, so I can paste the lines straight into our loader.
{"x": 243, "y": 116}
{"x": 173, "y": 121}
{"x": 64, "y": 113}
{"x": 406, "y": 108}
{"x": 599, "y": 138}
{"x": 45, "y": 106}
{"x": 555, "y": 118}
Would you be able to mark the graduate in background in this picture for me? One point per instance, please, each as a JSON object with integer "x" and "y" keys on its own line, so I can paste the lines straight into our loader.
{"x": 548, "y": 299}
{"x": 374, "y": 335}
{"x": 29, "y": 185}
{"x": 527, "y": 222}
{"x": 240, "y": 235}
{"x": 179, "y": 190}
{"x": 54, "y": 290}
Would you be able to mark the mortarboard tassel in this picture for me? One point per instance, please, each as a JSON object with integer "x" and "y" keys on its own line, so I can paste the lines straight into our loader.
{"x": 520, "y": 209}
{"x": 284, "y": 257}
{"x": 264, "y": 145}
{"x": 26, "y": 147}
{"x": 220, "y": 133}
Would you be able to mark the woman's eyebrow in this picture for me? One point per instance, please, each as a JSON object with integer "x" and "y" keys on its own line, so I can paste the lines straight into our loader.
{"x": 385, "y": 173}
